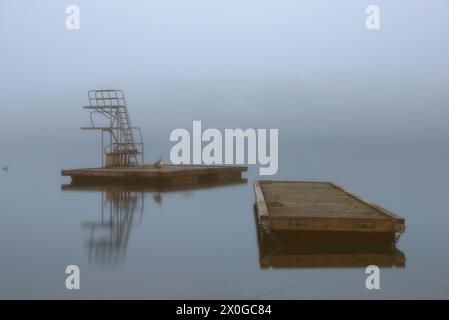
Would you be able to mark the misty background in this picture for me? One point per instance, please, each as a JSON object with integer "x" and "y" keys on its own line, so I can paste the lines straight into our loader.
{"x": 309, "y": 68}
{"x": 368, "y": 110}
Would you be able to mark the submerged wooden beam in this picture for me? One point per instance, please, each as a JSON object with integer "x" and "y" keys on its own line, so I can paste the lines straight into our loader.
{"x": 319, "y": 206}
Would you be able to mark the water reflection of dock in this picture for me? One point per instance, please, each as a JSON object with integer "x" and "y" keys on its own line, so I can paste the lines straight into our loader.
{"x": 152, "y": 187}
{"x": 109, "y": 236}
{"x": 122, "y": 208}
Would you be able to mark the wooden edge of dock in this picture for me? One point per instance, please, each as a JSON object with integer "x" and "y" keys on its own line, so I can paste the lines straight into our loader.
{"x": 183, "y": 169}
{"x": 261, "y": 207}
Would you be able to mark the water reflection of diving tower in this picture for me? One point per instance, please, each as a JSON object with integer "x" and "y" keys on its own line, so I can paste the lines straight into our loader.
{"x": 109, "y": 236}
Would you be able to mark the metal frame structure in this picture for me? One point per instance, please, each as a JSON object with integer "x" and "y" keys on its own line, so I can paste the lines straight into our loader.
{"x": 125, "y": 144}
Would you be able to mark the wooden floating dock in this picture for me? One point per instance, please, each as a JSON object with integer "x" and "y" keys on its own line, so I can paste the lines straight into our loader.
{"x": 320, "y": 206}
{"x": 149, "y": 174}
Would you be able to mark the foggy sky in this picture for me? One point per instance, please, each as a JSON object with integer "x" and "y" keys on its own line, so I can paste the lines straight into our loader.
{"x": 309, "y": 68}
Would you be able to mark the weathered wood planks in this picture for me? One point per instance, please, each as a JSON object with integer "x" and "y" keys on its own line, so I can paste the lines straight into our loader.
{"x": 319, "y": 206}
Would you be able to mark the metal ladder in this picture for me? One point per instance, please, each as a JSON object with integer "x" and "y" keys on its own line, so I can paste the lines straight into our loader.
{"x": 128, "y": 138}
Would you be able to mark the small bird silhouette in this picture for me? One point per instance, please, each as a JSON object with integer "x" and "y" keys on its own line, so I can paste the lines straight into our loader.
{"x": 5, "y": 168}
{"x": 159, "y": 164}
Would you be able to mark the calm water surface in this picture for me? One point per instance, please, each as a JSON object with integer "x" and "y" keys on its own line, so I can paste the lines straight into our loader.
{"x": 203, "y": 243}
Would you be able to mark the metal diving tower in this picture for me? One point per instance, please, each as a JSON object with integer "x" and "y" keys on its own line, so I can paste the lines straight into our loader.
{"x": 109, "y": 114}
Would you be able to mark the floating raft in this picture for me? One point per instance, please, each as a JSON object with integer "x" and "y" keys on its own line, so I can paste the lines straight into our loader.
{"x": 148, "y": 174}
{"x": 320, "y": 206}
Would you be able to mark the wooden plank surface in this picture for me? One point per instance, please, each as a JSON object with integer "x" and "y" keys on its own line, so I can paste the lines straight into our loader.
{"x": 303, "y": 205}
